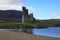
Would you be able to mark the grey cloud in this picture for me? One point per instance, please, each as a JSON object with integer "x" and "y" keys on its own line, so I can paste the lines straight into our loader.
{"x": 11, "y": 4}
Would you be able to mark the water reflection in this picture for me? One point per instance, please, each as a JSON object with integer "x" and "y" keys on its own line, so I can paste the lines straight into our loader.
{"x": 26, "y": 30}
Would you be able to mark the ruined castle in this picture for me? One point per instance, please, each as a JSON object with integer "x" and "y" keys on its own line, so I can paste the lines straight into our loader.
{"x": 16, "y": 16}
{"x": 25, "y": 16}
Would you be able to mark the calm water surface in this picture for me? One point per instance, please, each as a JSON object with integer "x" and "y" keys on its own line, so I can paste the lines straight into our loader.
{"x": 51, "y": 31}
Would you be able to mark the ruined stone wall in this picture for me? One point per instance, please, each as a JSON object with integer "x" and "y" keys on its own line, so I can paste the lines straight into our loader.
{"x": 25, "y": 16}
{"x": 31, "y": 17}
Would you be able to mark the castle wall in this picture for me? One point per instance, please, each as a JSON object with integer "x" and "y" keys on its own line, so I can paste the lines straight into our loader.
{"x": 31, "y": 17}
{"x": 25, "y": 16}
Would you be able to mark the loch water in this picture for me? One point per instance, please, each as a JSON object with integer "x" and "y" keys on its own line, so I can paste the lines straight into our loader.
{"x": 50, "y": 31}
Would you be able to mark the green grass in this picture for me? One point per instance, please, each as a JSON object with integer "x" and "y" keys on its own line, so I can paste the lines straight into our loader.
{"x": 11, "y": 24}
{"x": 28, "y": 24}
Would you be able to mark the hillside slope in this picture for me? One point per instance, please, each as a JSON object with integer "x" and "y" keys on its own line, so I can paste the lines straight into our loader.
{"x": 10, "y": 15}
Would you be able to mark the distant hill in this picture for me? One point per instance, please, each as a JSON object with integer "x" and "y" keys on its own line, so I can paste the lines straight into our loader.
{"x": 10, "y": 15}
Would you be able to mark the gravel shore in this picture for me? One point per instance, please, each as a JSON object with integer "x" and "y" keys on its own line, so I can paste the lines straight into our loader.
{"x": 10, "y": 35}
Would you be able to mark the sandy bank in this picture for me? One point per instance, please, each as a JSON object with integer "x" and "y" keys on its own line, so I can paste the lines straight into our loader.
{"x": 10, "y": 35}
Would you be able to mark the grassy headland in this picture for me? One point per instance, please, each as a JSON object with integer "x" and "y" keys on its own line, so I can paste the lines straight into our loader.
{"x": 36, "y": 24}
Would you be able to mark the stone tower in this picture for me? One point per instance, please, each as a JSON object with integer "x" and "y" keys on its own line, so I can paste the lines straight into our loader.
{"x": 25, "y": 16}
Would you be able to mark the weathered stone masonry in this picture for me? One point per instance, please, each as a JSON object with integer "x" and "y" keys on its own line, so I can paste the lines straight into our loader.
{"x": 25, "y": 16}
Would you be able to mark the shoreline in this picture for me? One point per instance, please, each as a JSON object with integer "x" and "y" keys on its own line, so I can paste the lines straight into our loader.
{"x": 10, "y": 35}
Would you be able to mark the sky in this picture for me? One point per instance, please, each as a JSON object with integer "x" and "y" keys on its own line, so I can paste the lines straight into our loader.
{"x": 41, "y": 9}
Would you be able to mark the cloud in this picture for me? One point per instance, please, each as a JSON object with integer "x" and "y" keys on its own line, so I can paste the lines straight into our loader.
{"x": 9, "y": 7}
{"x": 32, "y": 9}
{"x": 4, "y": 2}
{"x": 11, "y": 4}
{"x": 56, "y": 16}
